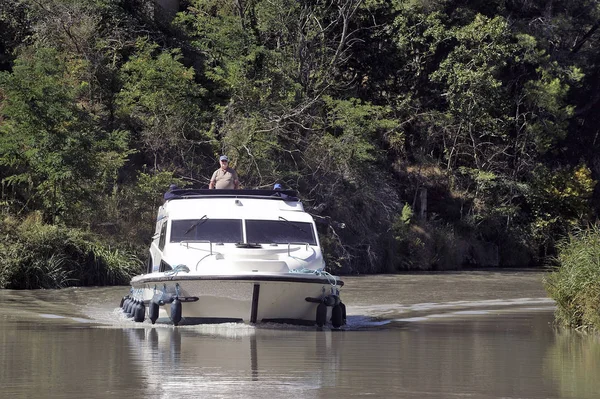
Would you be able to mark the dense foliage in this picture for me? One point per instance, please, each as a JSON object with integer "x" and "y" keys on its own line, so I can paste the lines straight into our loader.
{"x": 441, "y": 133}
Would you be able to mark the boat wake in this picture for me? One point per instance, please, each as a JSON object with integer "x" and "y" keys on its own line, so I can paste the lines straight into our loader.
{"x": 360, "y": 317}
{"x": 384, "y": 314}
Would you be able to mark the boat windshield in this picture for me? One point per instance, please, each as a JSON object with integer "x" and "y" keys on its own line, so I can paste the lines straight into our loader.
{"x": 213, "y": 230}
{"x": 279, "y": 232}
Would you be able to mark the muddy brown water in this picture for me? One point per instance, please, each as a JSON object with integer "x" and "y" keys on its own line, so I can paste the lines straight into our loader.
{"x": 476, "y": 334}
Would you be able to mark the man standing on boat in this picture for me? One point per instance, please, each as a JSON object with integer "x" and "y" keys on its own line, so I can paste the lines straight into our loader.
{"x": 224, "y": 177}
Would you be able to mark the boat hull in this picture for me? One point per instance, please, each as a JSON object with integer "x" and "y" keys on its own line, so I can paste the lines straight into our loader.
{"x": 249, "y": 298}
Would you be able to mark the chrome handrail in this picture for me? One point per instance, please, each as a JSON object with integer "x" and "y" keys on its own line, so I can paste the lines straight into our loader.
{"x": 297, "y": 243}
{"x": 188, "y": 242}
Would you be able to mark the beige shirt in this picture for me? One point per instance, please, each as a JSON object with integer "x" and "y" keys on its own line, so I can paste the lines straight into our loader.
{"x": 224, "y": 179}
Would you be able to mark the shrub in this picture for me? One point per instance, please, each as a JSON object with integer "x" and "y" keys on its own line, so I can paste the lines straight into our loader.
{"x": 37, "y": 255}
{"x": 424, "y": 245}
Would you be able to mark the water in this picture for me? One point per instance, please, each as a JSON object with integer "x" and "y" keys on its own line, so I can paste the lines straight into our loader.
{"x": 478, "y": 334}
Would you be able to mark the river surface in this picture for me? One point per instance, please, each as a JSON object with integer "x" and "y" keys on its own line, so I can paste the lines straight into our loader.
{"x": 476, "y": 334}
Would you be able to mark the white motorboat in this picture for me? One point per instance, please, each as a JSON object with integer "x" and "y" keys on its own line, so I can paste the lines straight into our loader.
{"x": 250, "y": 256}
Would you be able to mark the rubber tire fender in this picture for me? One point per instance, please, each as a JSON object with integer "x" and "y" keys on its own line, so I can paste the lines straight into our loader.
{"x": 337, "y": 316}
{"x": 176, "y": 311}
{"x": 139, "y": 313}
{"x": 153, "y": 311}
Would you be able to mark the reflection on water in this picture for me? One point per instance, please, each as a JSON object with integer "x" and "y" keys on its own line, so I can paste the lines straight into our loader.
{"x": 412, "y": 336}
{"x": 234, "y": 363}
{"x": 574, "y": 362}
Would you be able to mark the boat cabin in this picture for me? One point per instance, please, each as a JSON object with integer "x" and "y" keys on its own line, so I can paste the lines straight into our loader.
{"x": 197, "y": 228}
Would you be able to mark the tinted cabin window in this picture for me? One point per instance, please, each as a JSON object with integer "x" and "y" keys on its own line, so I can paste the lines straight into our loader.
{"x": 279, "y": 232}
{"x": 163, "y": 236}
{"x": 149, "y": 264}
{"x": 213, "y": 230}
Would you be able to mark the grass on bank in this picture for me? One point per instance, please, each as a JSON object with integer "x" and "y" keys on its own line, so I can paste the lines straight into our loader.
{"x": 575, "y": 282}
{"x": 37, "y": 255}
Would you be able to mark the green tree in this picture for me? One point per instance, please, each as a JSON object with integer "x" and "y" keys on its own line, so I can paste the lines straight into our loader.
{"x": 54, "y": 152}
{"x": 162, "y": 104}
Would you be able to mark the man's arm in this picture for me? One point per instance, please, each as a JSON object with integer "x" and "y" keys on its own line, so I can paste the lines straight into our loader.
{"x": 213, "y": 180}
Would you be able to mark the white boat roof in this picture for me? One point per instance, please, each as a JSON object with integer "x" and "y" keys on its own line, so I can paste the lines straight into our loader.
{"x": 235, "y": 204}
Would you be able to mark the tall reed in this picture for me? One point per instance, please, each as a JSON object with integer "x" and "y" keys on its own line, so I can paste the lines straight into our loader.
{"x": 575, "y": 282}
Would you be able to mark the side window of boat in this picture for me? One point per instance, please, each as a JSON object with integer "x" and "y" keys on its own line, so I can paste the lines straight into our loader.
{"x": 149, "y": 263}
{"x": 163, "y": 236}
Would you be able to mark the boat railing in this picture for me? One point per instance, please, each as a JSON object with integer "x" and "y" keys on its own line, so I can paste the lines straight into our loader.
{"x": 188, "y": 242}
{"x": 185, "y": 193}
{"x": 297, "y": 243}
